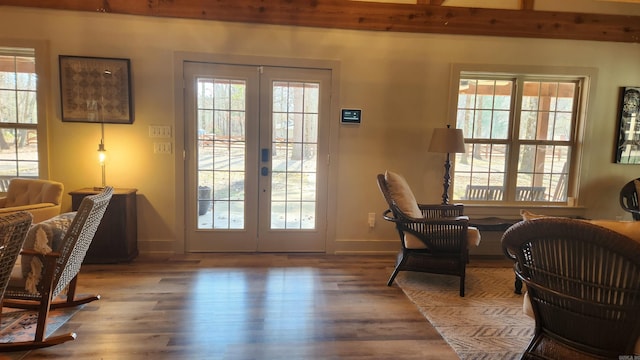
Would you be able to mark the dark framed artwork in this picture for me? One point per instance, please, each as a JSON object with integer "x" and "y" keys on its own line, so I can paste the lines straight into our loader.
{"x": 96, "y": 90}
{"x": 628, "y": 147}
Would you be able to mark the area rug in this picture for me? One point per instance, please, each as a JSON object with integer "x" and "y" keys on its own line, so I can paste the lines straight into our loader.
{"x": 487, "y": 323}
{"x": 20, "y": 325}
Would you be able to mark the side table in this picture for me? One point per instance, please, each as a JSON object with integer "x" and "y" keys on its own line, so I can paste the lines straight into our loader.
{"x": 116, "y": 239}
{"x": 498, "y": 224}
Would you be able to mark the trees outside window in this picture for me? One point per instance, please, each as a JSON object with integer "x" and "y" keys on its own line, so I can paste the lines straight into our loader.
{"x": 520, "y": 135}
{"x": 18, "y": 113}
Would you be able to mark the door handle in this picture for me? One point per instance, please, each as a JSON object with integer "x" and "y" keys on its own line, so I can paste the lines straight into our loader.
{"x": 264, "y": 171}
{"x": 264, "y": 155}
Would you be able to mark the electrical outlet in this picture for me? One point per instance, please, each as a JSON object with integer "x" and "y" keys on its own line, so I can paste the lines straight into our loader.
{"x": 162, "y": 148}
{"x": 159, "y": 131}
{"x": 372, "y": 219}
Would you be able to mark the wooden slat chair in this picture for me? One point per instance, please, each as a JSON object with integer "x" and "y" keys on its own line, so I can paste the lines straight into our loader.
{"x": 60, "y": 270}
{"x": 482, "y": 192}
{"x": 526, "y": 193}
{"x": 433, "y": 238}
{"x": 583, "y": 282}
{"x": 496, "y": 193}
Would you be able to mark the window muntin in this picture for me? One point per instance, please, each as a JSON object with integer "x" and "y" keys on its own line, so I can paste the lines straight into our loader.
{"x": 522, "y": 123}
{"x": 18, "y": 113}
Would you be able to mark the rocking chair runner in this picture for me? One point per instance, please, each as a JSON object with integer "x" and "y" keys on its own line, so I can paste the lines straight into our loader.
{"x": 60, "y": 271}
{"x": 434, "y": 238}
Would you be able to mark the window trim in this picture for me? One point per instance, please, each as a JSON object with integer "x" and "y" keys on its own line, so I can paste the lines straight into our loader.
{"x": 586, "y": 74}
{"x": 41, "y": 51}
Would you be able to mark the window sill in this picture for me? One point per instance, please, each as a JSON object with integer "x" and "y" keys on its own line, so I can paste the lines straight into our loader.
{"x": 512, "y": 211}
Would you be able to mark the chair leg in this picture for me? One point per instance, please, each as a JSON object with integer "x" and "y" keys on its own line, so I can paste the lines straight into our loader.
{"x": 393, "y": 275}
{"x": 517, "y": 286}
{"x": 43, "y": 315}
{"x": 399, "y": 263}
{"x": 42, "y": 306}
{"x": 462, "y": 278}
{"x": 71, "y": 300}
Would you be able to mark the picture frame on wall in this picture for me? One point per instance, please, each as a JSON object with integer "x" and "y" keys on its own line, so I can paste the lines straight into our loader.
{"x": 95, "y": 90}
{"x": 628, "y": 147}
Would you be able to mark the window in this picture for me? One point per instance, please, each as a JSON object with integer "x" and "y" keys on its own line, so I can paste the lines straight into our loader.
{"x": 18, "y": 113}
{"x": 520, "y": 136}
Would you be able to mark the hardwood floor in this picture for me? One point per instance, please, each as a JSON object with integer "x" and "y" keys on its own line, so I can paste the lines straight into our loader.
{"x": 247, "y": 306}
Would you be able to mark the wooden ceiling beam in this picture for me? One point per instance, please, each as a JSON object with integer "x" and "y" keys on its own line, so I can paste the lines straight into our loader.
{"x": 373, "y": 16}
{"x": 526, "y": 4}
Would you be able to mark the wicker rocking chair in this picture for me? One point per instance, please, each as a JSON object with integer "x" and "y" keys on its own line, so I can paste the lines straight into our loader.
{"x": 60, "y": 271}
{"x": 433, "y": 238}
{"x": 13, "y": 231}
{"x": 583, "y": 282}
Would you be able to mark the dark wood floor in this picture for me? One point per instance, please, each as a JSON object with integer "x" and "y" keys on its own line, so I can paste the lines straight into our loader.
{"x": 247, "y": 306}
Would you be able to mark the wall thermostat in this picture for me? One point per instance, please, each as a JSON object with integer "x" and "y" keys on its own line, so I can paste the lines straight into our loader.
{"x": 351, "y": 116}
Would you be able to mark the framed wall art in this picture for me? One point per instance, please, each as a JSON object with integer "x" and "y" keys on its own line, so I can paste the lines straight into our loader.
{"x": 95, "y": 90}
{"x": 628, "y": 147}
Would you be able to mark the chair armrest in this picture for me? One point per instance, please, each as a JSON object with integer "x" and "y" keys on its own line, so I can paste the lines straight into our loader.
{"x": 511, "y": 256}
{"x": 27, "y": 207}
{"x": 31, "y": 252}
{"x": 624, "y": 204}
{"x": 40, "y": 211}
{"x": 388, "y": 215}
{"x": 454, "y": 218}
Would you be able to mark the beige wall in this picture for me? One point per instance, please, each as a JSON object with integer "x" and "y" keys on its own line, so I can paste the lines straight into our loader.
{"x": 401, "y": 81}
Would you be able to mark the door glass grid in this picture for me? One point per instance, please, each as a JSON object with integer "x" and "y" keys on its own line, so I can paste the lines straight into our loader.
{"x": 221, "y": 153}
{"x": 294, "y": 154}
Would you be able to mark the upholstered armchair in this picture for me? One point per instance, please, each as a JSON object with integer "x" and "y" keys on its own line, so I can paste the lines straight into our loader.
{"x": 433, "y": 238}
{"x": 41, "y": 198}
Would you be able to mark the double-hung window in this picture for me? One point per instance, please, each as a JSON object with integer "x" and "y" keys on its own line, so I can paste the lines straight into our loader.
{"x": 18, "y": 113}
{"x": 520, "y": 135}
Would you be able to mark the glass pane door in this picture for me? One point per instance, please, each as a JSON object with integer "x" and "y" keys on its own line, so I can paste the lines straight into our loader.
{"x": 221, "y": 116}
{"x": 256, "y": 183}
{"x": 295, "y": 155}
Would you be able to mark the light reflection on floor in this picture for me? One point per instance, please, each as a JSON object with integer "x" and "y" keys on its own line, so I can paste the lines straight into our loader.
{"x": 282, "y": 302}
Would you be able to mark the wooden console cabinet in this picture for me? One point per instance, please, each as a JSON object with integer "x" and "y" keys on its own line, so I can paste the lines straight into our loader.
{"x": 116, "y": 239}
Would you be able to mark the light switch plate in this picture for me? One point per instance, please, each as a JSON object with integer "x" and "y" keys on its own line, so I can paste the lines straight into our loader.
{"x": 159, "y": 131}
{"x": 162, "y": 148}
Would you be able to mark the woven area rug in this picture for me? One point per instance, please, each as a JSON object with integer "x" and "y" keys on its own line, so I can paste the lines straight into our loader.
{"x": 487, "y": 323}
{"x": 20, "y": 325}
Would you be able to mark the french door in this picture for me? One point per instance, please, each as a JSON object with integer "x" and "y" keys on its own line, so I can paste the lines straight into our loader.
{"x": 257, "y": 158}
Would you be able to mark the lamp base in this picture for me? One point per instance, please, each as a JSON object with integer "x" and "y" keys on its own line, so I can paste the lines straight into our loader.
{"x": 446, "y": 183}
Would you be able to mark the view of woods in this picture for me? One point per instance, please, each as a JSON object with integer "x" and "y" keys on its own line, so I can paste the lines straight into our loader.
{"x": 18, "y": 117}
{"x": 530, "y": 130}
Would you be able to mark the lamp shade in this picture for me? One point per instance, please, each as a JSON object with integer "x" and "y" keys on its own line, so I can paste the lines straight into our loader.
{"x": 447, "y": 140}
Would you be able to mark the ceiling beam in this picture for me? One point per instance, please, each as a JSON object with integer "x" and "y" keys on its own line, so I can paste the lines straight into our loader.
{"x": 373, "y": 16}
{"x": 526, "y": 4}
